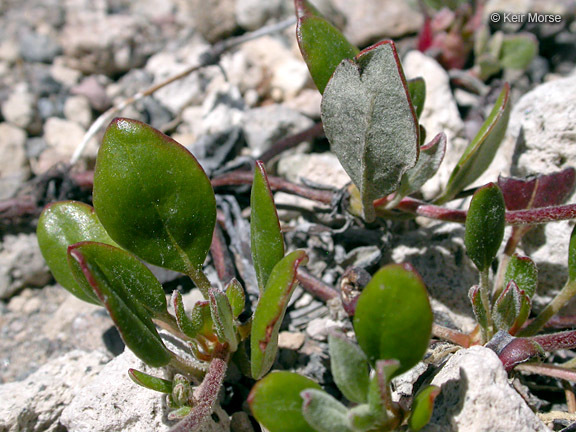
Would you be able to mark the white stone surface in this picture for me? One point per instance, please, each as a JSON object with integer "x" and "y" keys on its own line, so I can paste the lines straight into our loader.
{"x": 13, "y": 163}
{"x": 36, "y": 403}
{"x": 113, "y": 402}
{"x": 475, "y": 396}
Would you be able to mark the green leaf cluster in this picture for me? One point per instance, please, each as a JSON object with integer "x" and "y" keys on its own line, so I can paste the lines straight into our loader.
{"x": 392, "y": 323}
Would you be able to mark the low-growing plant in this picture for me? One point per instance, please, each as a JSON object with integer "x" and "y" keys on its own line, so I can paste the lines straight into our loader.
{"x": 392, "y": 325}
{"x": 153, "y": 203}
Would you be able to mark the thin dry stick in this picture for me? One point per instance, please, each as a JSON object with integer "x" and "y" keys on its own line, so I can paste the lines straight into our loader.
{"x": 209, "y": 58}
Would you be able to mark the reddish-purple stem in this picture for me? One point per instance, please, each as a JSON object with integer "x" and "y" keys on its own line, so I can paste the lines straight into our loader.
{"x": 556, "y": 341}
{"x": 292, "y": 141}
{"x": 221, "y": 257}
{"x": 276, "y": 184}
{"x": 315, "y": 286}
{"x": 206, "y": 396}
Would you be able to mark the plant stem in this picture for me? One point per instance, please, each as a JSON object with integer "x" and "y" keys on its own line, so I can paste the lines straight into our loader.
{"x": 292, "y": 141}
{"x": 315, "y": 286}
{"x": 485, "y": 298}
{"x": 450, "y": 335}
{"x": 548, "y": 370}
{"x": 565, "y": 294}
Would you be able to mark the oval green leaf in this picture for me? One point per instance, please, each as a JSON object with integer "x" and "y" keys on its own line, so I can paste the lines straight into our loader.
{"x": 60, "y": 225}
{"x": 417, "y": 89}
{"x": 481, "y": 150}
{"x": 393, "y": 317}
{"x": 349, "y": 367}
{"x": 370, "y": 122}
{"x": 266, "y": 237}
{"x": 130, "y": 293}
{"x": 275, "y": 401}
{"x": 422, "y": 407}
{"x": 236, "y": 297}
{"x": 485, "y": 222}
{"x": 150, "y": 382}
{"x": 223, "y": 318}
{"x": 270, "y": 312}
{"x": 524, "y": 273}
{"x": 153, "y": 197}
{"x": 323, "y": 46}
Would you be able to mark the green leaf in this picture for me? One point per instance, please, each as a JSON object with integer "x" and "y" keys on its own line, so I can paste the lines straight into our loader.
{"x": 431, "y": 156}
{"x": 370, "y": 122}
{"x": 417, "y": 89}
{"x": 379, "y": 395}
{"x": 478, "y": 307}
{"x": 60, "y": 225}
{"x": 270, "y": 312}
{"x": 265, "y": 233}
{"x": 524, "y": 273}
{"x": 223, "y": 318}
{"x": 572, "y": 256}
{"x": 153, "y": 197}
{"x": 236, "y": 297}
{"x": 480, "y": 152}
{"x": 349, "y": 367}
{"x": 130, "y": 293}
{"x": 518, "y": 50}
{"x": 362, "y": 418}
{"x": 324, "y": 412}
{"x": 150, "y": 382}
{"x": 422, "y": 407}
{"x": 323, "y": 47}
{"x": 275, "y": 401}
{"x": 485, "y": 222}
{"x": 508, "y": 306}
{"x": 393, "y": 317}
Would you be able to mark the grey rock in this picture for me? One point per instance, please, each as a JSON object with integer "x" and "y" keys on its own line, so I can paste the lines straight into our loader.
{"x": 36, "y": 403}
{"x": 372, "y": 20}
{"x": 39, "y": 325}
{"x": 215, "y": 22}
{"x": 476, "y": 396}
{"x": 21, "y": 264}
{"x": 438, "y": 254}
{"x": 265, "y": 125}
{"x": 14, "y": 165}
{"x": 39, "y": 47}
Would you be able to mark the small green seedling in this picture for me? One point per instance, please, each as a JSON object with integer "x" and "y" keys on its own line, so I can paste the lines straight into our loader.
{"x": 392, "y": 324}
{"x": 153, "y": 203}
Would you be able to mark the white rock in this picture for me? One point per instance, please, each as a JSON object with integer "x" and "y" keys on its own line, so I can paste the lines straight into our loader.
{"x": 542, "y": 131}
{"x": 36, "y": 403}
{"x": 253, "y": 14}
{"x": 265, "y": 125}
{"x": 372, "y": 20}
{"x": 307, "y": 102}
{"x": 321, "y": 168}
{"x": 113, "y": 402}
{"x": 62, "y": 137}
{"x": 21, "y": 264}
{"x": 77, "y": 109}
{"x": 13, "y": 169}
{"x": 19, "y": 108}
{"x": 214, "y": 23}
{"x": 476, "y": 396}
{"x": 440, "y": 113}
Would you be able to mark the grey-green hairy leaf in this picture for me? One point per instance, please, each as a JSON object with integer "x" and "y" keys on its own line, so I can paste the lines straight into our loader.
{"x": 349, "y": 367}
{"x": 324, "y": 412}
{"x": 370, "y": 122}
